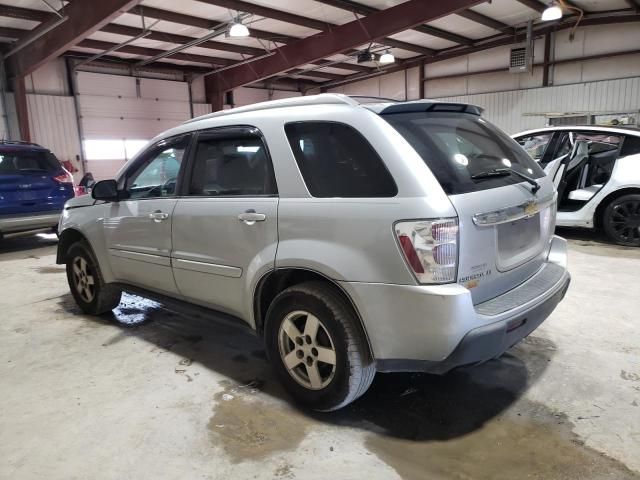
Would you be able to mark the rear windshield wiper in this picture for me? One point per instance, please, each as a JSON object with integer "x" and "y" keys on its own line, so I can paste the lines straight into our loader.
{"x": 504, "y": 172}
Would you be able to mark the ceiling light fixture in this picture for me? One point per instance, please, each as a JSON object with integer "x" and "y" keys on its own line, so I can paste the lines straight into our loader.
{"x": 238, "y": 29}
{"x": 387, "y": 57}
{"x": 552, "y": 12}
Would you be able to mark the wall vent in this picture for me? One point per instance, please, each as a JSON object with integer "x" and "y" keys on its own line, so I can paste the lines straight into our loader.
{"x": 520, "y": 59}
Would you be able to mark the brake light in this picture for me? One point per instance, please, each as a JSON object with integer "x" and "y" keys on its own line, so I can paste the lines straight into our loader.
{"x": 430, "y": 248}
{"x": 64, "y": 178}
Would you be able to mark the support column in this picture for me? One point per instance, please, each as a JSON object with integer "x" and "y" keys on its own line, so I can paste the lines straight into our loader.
{"x": 421, "y": 80}
{"x": 547, "y": 59}
{"x": 214, "y": 96}
{"x": 22, "y": 107}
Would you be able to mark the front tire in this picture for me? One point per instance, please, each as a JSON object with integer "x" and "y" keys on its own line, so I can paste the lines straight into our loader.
{"x": 621, "y": 220}
{"x": 92, "y": 295}
{"x": 317, "y": 347}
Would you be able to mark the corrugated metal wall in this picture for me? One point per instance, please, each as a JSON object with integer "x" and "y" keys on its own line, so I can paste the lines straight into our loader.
{"x": 53, "y": 124}
{"x": 519, "y": 110}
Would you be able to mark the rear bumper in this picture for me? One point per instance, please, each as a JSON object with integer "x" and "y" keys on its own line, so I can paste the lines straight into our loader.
{"x": 436, "y": 329}
{"x": 23, "y": 223}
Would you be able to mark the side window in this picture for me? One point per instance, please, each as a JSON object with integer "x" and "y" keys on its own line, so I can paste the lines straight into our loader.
{"x": 600, "y": 142}
{"x": 158, "y": 173}
{"x": 631, "y": 146}
{"x": 231, "y": 165}
{"x": 337, "y": 161}
{"x": 536, "y": 145}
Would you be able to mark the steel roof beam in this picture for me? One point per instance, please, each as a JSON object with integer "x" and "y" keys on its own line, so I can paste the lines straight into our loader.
{"x": 492, "y": 42}
{"x": 361, "y": 9}
{"x": 371, "y": 28}
{"x": 158, "y": 14}
{"x": 242, "y": 6}
{"x": 486, "y": 21}
{"x": 84, "y": 18}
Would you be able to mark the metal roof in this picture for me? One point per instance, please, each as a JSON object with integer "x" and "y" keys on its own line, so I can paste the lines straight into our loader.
{"x": 275, "y": 23}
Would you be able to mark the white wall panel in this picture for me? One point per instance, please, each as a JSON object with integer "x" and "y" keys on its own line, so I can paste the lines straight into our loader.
{"x": 519, "y": 110}
{"x": 392, "y": 86}
{"x": 53, "y": 124}
{"x": 246, "y": 96}
{"x": 413, "y": 83}
{"x": 164, "y": 90}
{"x": 197, "y": 91}
{"x": 50, "y": 79}
{"x": 114, "y": 107}
{"x": 90, "y": 83}
{"x": 280, "y": 94}
{"x": 200, "y": 109}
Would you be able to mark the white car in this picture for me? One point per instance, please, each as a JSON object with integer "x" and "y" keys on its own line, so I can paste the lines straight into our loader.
{"x": 597, "y": 173}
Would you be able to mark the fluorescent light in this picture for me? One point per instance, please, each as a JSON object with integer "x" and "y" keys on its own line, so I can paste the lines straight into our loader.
{"x": 238, "y": 30}
{"x": 387, "y": 57}
{"x": 553, "y": 12}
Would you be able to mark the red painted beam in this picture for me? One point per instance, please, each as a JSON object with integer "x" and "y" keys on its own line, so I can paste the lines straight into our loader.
{"x": 22, "y": 108}
{"x": 343, "y": 37}
{"x": 85, "y": 17}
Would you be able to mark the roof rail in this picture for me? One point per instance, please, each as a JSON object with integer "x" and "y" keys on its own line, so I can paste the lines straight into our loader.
{"x": 321, "y": 99}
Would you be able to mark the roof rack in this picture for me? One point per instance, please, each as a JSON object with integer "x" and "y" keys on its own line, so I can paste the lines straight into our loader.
{"x": 321, "y": 99}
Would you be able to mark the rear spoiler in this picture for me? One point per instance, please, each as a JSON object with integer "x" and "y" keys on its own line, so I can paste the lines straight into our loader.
{"x": 416, "y": 107}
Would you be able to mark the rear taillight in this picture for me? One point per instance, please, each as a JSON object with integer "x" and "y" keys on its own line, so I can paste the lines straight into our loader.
{"x": 430, "y": 248}
{"x": 64, "y": 178}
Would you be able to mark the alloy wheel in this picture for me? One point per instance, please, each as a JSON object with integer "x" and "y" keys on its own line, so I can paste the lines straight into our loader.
{"x": 83, "y": 279}
{"x": 307, "y": 350}
{"x": 625, "y": 221}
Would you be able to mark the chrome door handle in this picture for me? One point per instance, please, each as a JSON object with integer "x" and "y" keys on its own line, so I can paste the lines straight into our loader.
{"x": 250, "y": 217}
{"x": 158, "y": 216}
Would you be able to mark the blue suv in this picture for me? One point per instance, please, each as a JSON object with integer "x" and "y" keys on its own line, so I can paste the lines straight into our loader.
{"x": 33, "y": 188}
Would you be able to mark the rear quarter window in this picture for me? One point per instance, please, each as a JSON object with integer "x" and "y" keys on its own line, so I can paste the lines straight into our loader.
{"x": 630, "y": 146}
{"x": 337, "y": 161}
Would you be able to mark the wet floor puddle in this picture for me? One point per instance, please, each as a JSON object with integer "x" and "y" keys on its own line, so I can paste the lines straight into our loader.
{"x": 504, "y": 448}
{"x": 248, "y": 428}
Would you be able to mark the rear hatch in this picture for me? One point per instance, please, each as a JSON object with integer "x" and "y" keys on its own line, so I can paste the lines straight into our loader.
{"x": 506, "y": 222}
{"x": 32, "y": 181}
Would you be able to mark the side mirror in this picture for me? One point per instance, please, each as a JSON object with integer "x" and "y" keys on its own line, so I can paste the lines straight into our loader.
{"x": 105, "y": 190}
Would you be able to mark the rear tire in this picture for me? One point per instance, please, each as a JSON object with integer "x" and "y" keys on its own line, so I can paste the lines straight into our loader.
{"x": 621, "y": 220}
{"x": 317, "y": 347}
{"x": 92, "y": 295}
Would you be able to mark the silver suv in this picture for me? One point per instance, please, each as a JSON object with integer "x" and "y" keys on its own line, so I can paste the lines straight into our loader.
{"x": 354, "y": 235}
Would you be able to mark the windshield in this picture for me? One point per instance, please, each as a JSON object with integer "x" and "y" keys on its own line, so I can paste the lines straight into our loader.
{"x": 22, "y": 161}
{"x": 458, "y": 146}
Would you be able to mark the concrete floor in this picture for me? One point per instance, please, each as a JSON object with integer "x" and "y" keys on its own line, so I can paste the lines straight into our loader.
{"x": 147, "y": 393}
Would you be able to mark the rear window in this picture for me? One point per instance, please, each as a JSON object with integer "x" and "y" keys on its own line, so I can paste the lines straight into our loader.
{"x": 456, "y": 146}
{"x": 21, "y": 161}
{"x": 337, "y": 161}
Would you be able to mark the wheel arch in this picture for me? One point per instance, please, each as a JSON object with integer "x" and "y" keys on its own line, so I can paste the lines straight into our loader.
{"x": 598, "y": 214}
{"x": 67, "y": 238}
{"x": 275, "y": 281}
